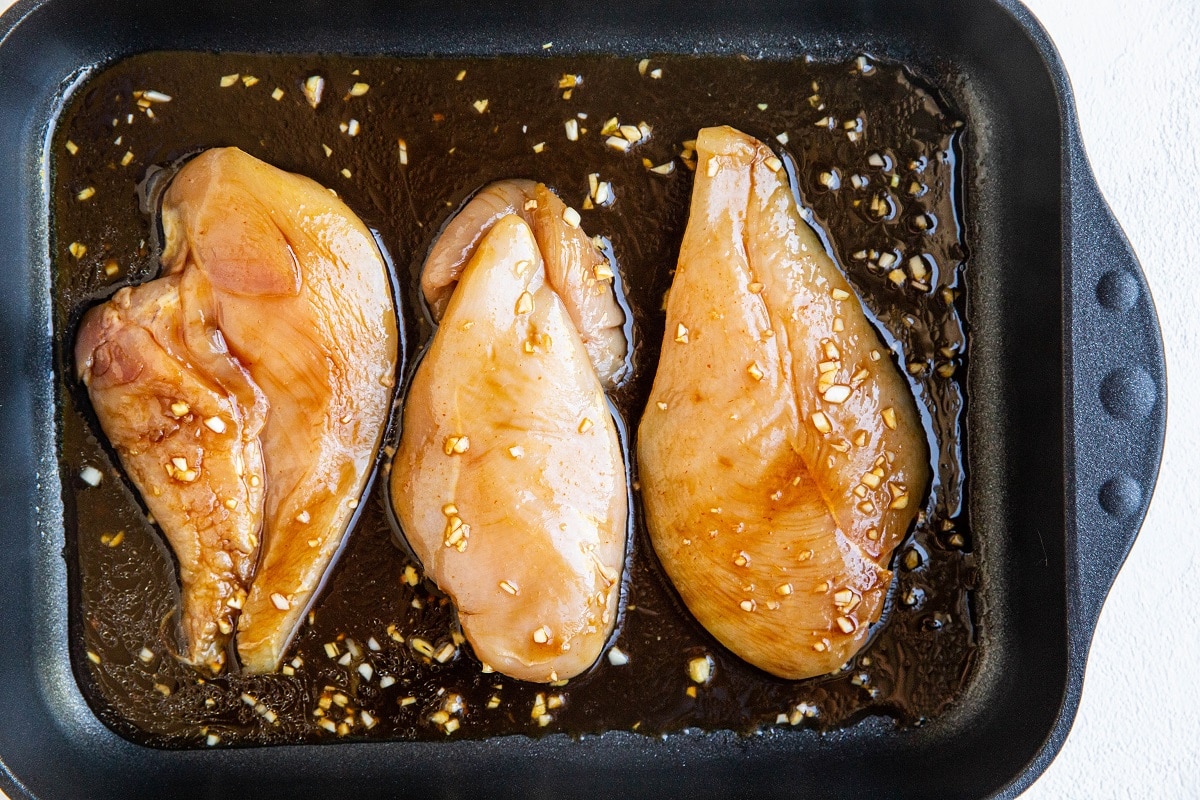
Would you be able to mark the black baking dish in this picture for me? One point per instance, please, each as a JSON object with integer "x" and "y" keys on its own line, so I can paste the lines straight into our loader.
{"x": 1065, "y": 423}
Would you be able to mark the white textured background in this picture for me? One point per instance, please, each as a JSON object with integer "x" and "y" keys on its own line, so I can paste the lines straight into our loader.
{"x": 1135, "y": 67}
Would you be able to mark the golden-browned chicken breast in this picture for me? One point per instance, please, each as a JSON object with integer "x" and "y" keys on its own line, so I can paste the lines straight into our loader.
{"x": 509, "y": 480}
{"x": 781, "y": 455}
{"x": 246, "y": 392}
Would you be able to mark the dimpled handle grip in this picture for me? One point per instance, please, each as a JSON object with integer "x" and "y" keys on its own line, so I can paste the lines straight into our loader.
{"x": 1116, "y": 401}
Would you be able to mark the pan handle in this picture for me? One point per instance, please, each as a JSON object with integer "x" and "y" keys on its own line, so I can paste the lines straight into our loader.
{"x": 1116, "y": 393}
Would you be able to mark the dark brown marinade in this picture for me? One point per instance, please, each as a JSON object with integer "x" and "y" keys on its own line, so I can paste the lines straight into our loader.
{"x": 123, "y": 588}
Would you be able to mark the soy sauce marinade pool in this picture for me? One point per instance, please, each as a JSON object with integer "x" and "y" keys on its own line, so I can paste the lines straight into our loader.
{"x": 889, "y": 146}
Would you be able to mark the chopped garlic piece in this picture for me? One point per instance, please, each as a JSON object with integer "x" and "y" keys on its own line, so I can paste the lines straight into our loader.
{"x": 314, "y": 88}
{"x": 700, "y": 669}
{"x": 91, "y": 476}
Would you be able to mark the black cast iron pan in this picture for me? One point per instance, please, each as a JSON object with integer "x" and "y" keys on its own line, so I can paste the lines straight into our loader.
{"x": 1065, "y": 423}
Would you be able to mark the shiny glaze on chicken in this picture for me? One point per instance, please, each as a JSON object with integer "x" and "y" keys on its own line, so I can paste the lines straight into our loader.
{"x": 782, "y": 458}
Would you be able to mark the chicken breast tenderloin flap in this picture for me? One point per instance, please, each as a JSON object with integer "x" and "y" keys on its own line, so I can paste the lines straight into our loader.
{"x": 782, "y": 457}
{"x": 246, "y": 391}
{"x": 509, "y": 480}
{"x": 580, "y": 275}
{"x": 186, "y": 426}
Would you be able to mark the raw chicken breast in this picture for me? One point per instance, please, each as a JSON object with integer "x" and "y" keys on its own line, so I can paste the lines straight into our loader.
{"x": 509, "y": 481}
{"x": 782, "y": 457}
{"x": 275, "y": 318}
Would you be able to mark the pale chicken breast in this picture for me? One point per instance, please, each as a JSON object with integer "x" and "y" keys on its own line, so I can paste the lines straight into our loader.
{"x": 281, "y": 305}
{"x": 782, "y": 458}
{"x": 580, "y": 275}
{"x": 509, "y": 481}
